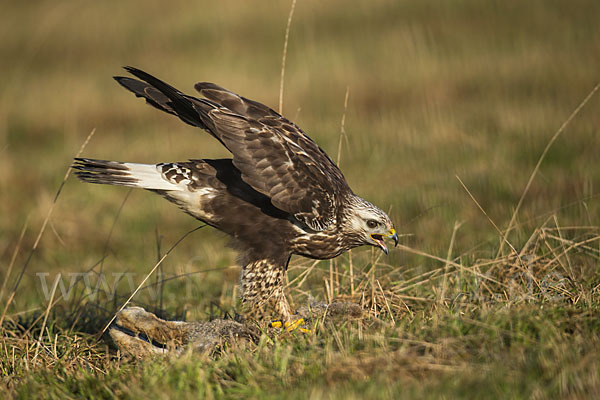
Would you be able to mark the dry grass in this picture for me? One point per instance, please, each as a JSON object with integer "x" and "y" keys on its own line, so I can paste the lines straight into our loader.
{"x": 544, "y": 296}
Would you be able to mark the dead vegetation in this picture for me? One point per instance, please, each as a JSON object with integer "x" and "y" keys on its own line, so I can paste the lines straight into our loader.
{"x": 436, "y": 322}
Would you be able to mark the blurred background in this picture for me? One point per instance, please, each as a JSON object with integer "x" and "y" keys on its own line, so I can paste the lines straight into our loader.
{"x": 435, "y": 89}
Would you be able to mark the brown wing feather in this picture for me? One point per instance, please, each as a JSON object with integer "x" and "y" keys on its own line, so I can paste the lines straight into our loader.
{"x": 279, "y": 168}
{"x": 273, "y": 155}
{"x": 269, "y": 148}
{"x": 238, "y": 104}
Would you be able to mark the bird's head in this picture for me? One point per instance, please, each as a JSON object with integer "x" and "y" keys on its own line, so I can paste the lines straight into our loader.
{"x": 370, "y": 225}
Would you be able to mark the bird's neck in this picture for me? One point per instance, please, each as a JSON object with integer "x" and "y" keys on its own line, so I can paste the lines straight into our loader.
{"x": 351, "y": 237}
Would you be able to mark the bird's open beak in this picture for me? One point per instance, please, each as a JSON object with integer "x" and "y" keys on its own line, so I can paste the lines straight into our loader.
{"x": 380, "y": 242}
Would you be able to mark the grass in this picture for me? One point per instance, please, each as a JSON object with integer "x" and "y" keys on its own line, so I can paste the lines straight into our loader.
{"x": 435, "y": 90}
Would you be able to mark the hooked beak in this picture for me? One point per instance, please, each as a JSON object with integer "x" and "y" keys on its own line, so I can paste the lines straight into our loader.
{"x": 394, "y": 235}
{"x": 380, "y": 242}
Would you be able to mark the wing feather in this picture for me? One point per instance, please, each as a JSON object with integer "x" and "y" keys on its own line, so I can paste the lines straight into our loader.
{"x": 274, "y": 155}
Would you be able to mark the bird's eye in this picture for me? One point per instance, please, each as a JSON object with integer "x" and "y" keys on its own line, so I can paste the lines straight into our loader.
{"x": 372, "y": 224}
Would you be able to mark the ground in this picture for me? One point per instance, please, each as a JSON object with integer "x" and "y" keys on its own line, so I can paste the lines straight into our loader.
{"x": 436, "y": 92}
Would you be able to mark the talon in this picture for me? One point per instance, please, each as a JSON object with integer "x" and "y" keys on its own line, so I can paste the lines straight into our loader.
{"x": 290, "y": 325}
{"x": 276, "y": 324}
{"x": 293, "y": 325}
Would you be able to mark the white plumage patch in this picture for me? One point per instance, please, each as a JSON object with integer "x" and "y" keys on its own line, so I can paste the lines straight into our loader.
{"x": 170, "y": 177}
{"x": 151, "y": 177}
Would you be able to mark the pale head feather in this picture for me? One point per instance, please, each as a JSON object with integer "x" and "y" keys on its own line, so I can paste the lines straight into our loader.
{"x": 358, "y": 215}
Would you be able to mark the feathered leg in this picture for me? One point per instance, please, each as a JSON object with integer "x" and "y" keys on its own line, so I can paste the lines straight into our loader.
{"x": 262, "y": 287}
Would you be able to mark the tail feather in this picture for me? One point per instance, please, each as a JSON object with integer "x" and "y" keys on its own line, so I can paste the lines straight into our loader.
{"x": 146, "y": 176}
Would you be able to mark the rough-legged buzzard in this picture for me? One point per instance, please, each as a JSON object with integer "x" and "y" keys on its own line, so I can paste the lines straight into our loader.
{"x": 280, "y": 194}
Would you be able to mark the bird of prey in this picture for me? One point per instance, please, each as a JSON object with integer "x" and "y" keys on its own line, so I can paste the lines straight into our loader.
{"x": 280, "y": 194}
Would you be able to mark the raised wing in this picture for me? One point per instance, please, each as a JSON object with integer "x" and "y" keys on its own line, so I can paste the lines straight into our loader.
{"x": 273, "y": 155}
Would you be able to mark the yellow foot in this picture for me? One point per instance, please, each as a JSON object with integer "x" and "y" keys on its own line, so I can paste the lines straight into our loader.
{"x": 290, "y": 325}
